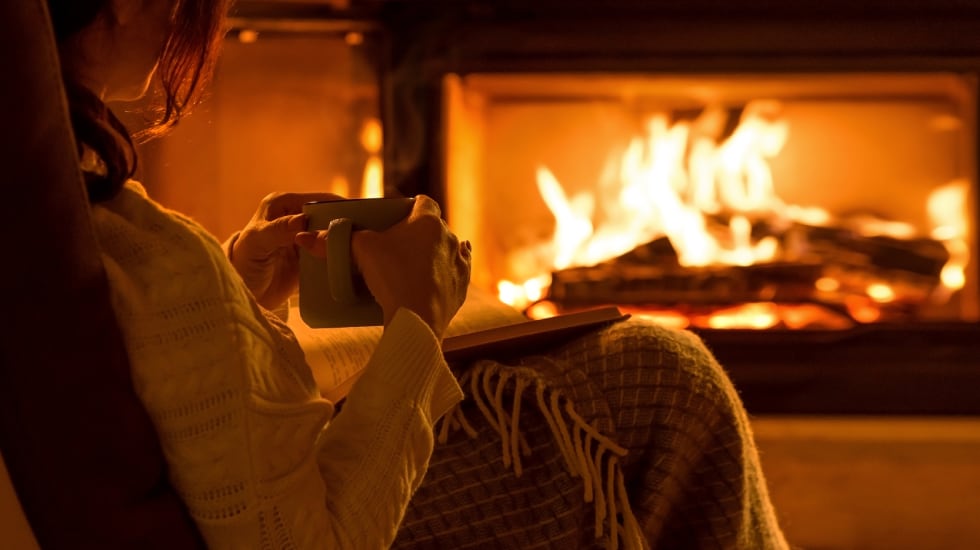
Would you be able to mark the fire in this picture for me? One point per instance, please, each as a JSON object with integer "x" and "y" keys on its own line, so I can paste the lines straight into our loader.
{"x": 880, "y": 292}
{"x": 705, "y": 191}
{"x": 664, "y": 191}
{"x": 754, "y": 316}
{"x": 531, "y": 291}
{"x": 372, "y": 178}
{"x": 371, "y": 140}
{"x": 948, "y": 215}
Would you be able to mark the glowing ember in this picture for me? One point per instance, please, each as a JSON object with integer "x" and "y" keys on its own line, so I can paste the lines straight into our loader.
{"x": 880, "y": 292}
{"x": 753, "y": 316}
{"x": 827, "y": 284}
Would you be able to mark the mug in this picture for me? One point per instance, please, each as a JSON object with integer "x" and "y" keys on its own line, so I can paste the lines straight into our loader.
{"x": 331, "y": 292}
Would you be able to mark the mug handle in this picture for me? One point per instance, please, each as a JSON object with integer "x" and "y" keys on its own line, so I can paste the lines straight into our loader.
{"x": 339, "y": 268}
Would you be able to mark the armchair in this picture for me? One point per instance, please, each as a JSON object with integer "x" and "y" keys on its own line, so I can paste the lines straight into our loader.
{"x": 81, "y": 452}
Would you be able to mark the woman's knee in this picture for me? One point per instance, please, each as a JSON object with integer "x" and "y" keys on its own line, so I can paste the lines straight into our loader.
{"x": 657, "y": 344}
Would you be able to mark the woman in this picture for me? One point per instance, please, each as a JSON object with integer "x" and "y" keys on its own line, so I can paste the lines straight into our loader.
{"x": 629, "y": 436}
{"x": 231, "y": 397}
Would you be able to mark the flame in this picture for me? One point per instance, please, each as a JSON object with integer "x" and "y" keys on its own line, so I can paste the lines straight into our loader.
{"x": 881, "y": 292}
{"x": 371, "y": 186}
{"x": 664, "y": 191}
{"x": 372, "y": 178}
{"x": 947, "y": 210}
{"x": 525, "y": 294}
{"x": 371, "y": 139}
{"x": 572, "y": 225}
{"x": 757, "y": 316}
{"x": 861, "y": 309}
{"x": 827, "y": 284}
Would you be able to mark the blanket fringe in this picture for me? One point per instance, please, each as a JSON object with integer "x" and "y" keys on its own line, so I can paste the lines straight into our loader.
{"x": 587, "y": 452}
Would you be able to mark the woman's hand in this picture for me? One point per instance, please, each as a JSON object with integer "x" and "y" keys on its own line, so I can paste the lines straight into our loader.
{"x": 417, "y": 264}
{"x": 265, "y": 253}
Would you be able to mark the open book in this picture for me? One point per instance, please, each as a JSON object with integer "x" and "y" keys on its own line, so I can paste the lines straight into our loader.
{"x": 483, "y": 328}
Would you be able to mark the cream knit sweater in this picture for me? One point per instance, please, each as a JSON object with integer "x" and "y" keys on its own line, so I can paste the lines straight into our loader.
{"x": 256, "y": 454}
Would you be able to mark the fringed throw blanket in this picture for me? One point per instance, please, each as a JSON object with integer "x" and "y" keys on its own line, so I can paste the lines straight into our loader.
{"x": 630, "y": 437}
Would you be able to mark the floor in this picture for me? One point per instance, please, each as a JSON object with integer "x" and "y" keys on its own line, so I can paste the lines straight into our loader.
{"x": 863, "y": 483}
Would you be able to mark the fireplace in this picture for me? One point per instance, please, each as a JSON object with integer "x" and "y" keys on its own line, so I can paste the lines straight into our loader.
{"x": 767, "y": 201}
{"x": 796, "y": 182}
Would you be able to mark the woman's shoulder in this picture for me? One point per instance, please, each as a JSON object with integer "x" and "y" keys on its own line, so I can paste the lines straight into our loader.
{"x": 132, "y": 226}
{"x": 157, "y": 260}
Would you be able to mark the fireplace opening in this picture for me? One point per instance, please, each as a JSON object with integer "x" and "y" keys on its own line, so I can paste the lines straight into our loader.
{"x": 808, "y": 201}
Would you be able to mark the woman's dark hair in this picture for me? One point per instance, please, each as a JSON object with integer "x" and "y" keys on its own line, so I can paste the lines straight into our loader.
{"x": 186, "y": 63}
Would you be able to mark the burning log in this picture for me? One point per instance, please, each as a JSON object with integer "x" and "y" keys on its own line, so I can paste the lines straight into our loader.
{"x": 625, "y": 282}
{"x": 832, "y": 266}
{"x": 924, "y": 257}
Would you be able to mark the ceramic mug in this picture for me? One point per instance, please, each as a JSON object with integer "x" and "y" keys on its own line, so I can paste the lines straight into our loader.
{"x": 331, "y": 292}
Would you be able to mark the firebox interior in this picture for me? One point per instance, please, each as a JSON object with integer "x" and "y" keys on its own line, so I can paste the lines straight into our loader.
{"x": 554, "y": 171}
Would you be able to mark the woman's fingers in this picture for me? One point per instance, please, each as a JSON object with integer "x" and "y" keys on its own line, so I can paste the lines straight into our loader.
{"x": 466, "y": 257}
{"x": 418, "y": 264}
{"x": 313, "y": 241}
{"x": 277, "y": 205}
{"x": 425, "y": 206}
{"x": 282, "y": 231}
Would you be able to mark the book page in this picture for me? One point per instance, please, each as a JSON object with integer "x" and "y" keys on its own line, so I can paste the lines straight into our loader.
{"x": 482, "y": 311}
{"x": 337, "y": 355}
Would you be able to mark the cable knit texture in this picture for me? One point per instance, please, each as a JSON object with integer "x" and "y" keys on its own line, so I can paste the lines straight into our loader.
{"x": 254, "y": 451}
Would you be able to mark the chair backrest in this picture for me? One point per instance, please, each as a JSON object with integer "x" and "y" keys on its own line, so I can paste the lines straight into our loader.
{"x": 80, "y": 449}
{"x": 15, "y": 532}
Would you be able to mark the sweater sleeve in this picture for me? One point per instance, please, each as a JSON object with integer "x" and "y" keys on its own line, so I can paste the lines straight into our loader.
{"x": 371, "y": 457}
{"x": 390, "y": 412}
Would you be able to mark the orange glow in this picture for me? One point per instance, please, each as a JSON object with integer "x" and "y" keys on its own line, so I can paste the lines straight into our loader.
{"x": 542, "y": 310}
{"x": 670, "y": 319}
{"x": 371, "y": 139}
{"x": 371, "y": 186}
{"x": 947, "y": 210}
{"x": 339, "y": 186}
{"x": 801, "y": 316}
{"x": 862, "y": 311}
{"x": 511, "y": 294}
{"x": 827, "y": 284}
{"x": 520, "y": 296}
{"x": 354, "y": 38}
{"x": 752, "y": 316}
{"x": 881, "y": 293}
{"x": 248, "y": 36}
{"x": 371, "y": 136}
